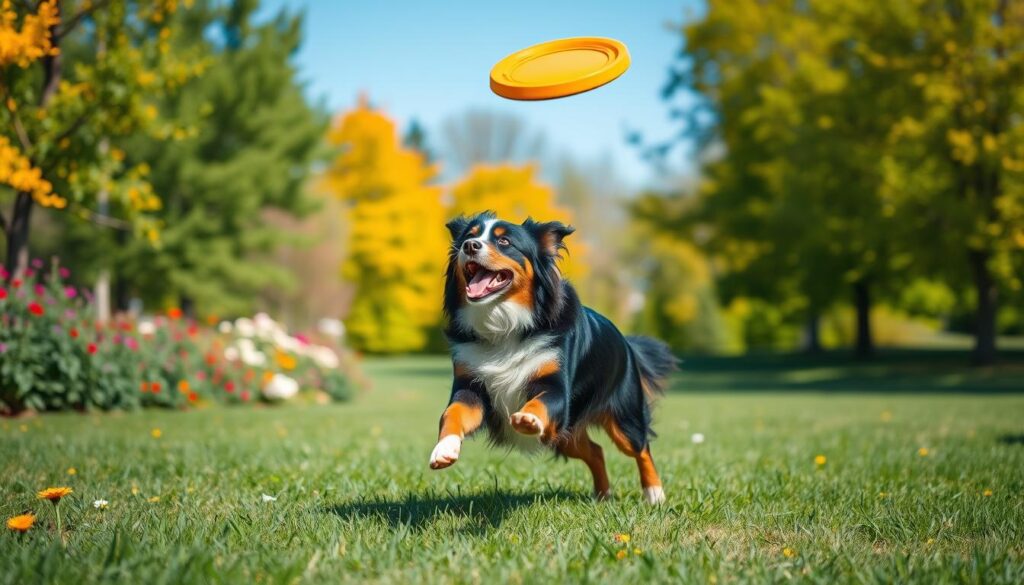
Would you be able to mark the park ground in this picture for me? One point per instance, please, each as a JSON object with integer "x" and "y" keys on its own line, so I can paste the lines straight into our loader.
{"x": 907, "y": 469}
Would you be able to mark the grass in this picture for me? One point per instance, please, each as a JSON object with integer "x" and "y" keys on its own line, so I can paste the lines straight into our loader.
{"x": 356, "y": 502}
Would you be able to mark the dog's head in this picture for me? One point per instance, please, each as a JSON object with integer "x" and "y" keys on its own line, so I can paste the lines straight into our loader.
{"x": 503, "y": 273}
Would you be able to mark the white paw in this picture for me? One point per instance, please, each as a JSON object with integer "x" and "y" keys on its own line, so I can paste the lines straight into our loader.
{"x": 526, "y": 423}
{"x": 654, "y": 494}
{"x": 445, "y": 452}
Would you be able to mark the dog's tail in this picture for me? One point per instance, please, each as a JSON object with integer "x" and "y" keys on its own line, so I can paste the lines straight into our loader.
{"x": 654, "y": 360}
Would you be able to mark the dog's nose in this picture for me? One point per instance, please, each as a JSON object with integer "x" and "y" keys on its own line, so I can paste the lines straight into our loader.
{"x": 471, "y": 247}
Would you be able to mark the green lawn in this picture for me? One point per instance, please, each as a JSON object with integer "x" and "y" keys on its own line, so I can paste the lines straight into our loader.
{"x": 356, "y": 501}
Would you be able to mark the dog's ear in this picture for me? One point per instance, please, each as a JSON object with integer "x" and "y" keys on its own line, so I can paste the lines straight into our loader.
{"x": 457, "y": 225}
{"x": 549, "y": 235}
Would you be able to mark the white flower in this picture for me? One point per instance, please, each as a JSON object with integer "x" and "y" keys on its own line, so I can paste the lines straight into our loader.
{"x": 100, "y": 504}
{"x": 245, "y": 327}
{"x": 231, "y": 353}
{"x": 323, "y": 356}
{"x": 268, "y": 498}
{"x": 265, "y": 326}
{"x": 249, "y": 354}
{"x": 331, "y": 327}
{"x": 225, "y": 327}
{"x": 281, "y": 387}
{"x": 147, "y": 328}
{"x": 697, "y": 438}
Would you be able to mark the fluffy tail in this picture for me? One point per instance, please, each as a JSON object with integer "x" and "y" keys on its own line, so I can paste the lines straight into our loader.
{"x": 655, "y": 362}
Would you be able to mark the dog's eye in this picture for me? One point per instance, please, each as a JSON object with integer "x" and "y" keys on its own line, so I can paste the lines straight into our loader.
{"x": 504, "y": 242}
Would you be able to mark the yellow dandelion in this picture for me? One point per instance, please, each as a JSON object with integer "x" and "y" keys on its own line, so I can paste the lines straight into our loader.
{"x": 886, "y": 416}
{"x": 23, "y": 428}
{"x": 135, "y": 490}
{"x": 882, "y": 495}
{"x": 153, "y": 500}
{"x": 54, "y": 494}
{"x": 637, "y": 551}
{"x": 922, "y": 452}
{"x": 72, "y": 471}
{"x": 930, "y": 542}
{"x": 21, "y": 523}
{"x": 788, "y": 552}
{"x": 622, "y": 538}
{"x": 820, "y": 460}
{"x": 621, "y": 554}
{"x": 987, "y": 493}
{"x": 156, "y": 433}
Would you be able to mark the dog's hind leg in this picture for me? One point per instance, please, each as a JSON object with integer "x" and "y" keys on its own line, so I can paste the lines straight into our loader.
{"x": 649, "y": 479}
{"x": 579, "y": 446}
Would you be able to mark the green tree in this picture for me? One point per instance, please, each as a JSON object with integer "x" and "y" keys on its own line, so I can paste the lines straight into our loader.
{"x": 244, "y": 141}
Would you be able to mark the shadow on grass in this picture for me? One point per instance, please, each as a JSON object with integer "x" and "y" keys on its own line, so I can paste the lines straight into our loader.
{"x": 891, "y": 371}
{"x": 1011, "y": 439}
{"x": 481, "y": 511}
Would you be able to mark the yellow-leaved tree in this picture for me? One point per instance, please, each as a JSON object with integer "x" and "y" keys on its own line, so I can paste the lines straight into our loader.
{"x": 514, "y": 193}
{"x": 398, "y": 243}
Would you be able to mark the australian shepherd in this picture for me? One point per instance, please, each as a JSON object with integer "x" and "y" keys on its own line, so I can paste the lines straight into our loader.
{"x": 531, "y": 364}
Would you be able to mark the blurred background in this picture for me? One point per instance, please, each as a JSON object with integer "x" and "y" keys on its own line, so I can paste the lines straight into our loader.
{"x": 767, "y": 177}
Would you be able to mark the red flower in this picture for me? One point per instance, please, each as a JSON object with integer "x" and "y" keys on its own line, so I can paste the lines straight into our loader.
{"x": 245, "y": 395}
{"x": 35, "y": 308}
{"x": 16, "y": 283}
{"x": 143, "y": 387}
{"x": 73, "y": 333}
{"x": 174, "y": 313}
{"x": 91, "y": 348}
{"x": 3, "y": 293}
{"x": 193, "y": 330}
{"x": 229, "y": 386}
{"x": 155, "y": 387}
{"x": 192, "y": 397}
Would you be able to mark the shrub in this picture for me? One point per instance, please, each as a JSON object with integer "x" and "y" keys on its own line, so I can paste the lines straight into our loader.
{"x": 54, "y": 356}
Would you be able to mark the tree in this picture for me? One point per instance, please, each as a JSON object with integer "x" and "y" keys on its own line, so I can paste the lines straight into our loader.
{"x": 484, "y": 137}
{"x": 514, "y": 193}
{"x": 954, "y": 166}
{"x": 398, "y": 241}
{"x": 246, "y": 142}
{"x": 799, "y": 104}
{"x": 77, "y": 76}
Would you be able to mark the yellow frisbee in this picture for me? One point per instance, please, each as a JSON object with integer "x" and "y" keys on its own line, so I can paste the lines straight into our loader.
{"x": 559, "y": 68}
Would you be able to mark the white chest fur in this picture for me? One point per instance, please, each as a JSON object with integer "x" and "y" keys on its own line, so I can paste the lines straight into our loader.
{"x": 505, "y": 367}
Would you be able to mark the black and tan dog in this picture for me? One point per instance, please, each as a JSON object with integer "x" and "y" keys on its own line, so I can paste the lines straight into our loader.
{"x": 534, "y": 366}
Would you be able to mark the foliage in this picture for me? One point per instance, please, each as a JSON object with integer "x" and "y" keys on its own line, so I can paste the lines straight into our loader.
{"x": 78, "y": 76}
{"x": 250, "y": 141}
{"x": 355, "y": 502}
{"x": 858, "y": 143}
{"x": 53, "y": 356}
{"x": 397, "y": 240}
{"x": 680, "y": 305}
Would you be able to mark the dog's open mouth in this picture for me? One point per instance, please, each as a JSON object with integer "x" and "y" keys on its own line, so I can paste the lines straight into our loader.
{"x": 483, "y": 283}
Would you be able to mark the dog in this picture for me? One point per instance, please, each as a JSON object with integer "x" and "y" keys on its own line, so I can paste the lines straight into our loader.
{"x": 533, "y": 365}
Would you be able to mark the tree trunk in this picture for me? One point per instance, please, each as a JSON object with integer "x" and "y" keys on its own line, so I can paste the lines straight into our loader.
{"x": 985, "y": 316}
{"x": 812, "y": 334}
{"x": 17, "y": 235}
{"x": 865, "y": 344}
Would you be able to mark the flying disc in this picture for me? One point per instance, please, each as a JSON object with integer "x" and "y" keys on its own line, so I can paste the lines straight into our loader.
{"x": 559, "y": 68}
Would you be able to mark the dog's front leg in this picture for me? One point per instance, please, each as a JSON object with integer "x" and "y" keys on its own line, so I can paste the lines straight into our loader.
{"x": 545, "y": 410}
{"x": 465, "y": 414}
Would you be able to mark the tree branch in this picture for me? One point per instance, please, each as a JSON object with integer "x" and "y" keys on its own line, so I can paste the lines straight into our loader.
{"x": 19, "y": 129}
{"x": 70, "y": 25}
{"x": 105, "y": 220}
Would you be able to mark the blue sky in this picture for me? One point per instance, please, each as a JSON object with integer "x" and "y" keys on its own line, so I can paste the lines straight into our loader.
{"x": 431, "y": 60}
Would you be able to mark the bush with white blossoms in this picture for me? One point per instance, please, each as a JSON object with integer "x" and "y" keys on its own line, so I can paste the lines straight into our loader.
{"x": 288, "y": 361}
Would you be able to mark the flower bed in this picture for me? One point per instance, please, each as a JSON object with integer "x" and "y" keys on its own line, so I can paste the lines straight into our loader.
{"x": 54, "y": 356}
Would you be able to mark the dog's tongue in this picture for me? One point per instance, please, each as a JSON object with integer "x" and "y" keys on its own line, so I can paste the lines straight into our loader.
{"x": 480, "y": 283}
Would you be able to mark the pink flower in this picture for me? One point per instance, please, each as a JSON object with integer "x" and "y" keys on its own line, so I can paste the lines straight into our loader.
{"x": 302, "y": 339}
{"x": 70, "y": 292}
{"x": 39, "y": 289}
{"x": 131, "y": 343}
{"x": 37, "y": 263}
{"x": 64, "y": 272}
